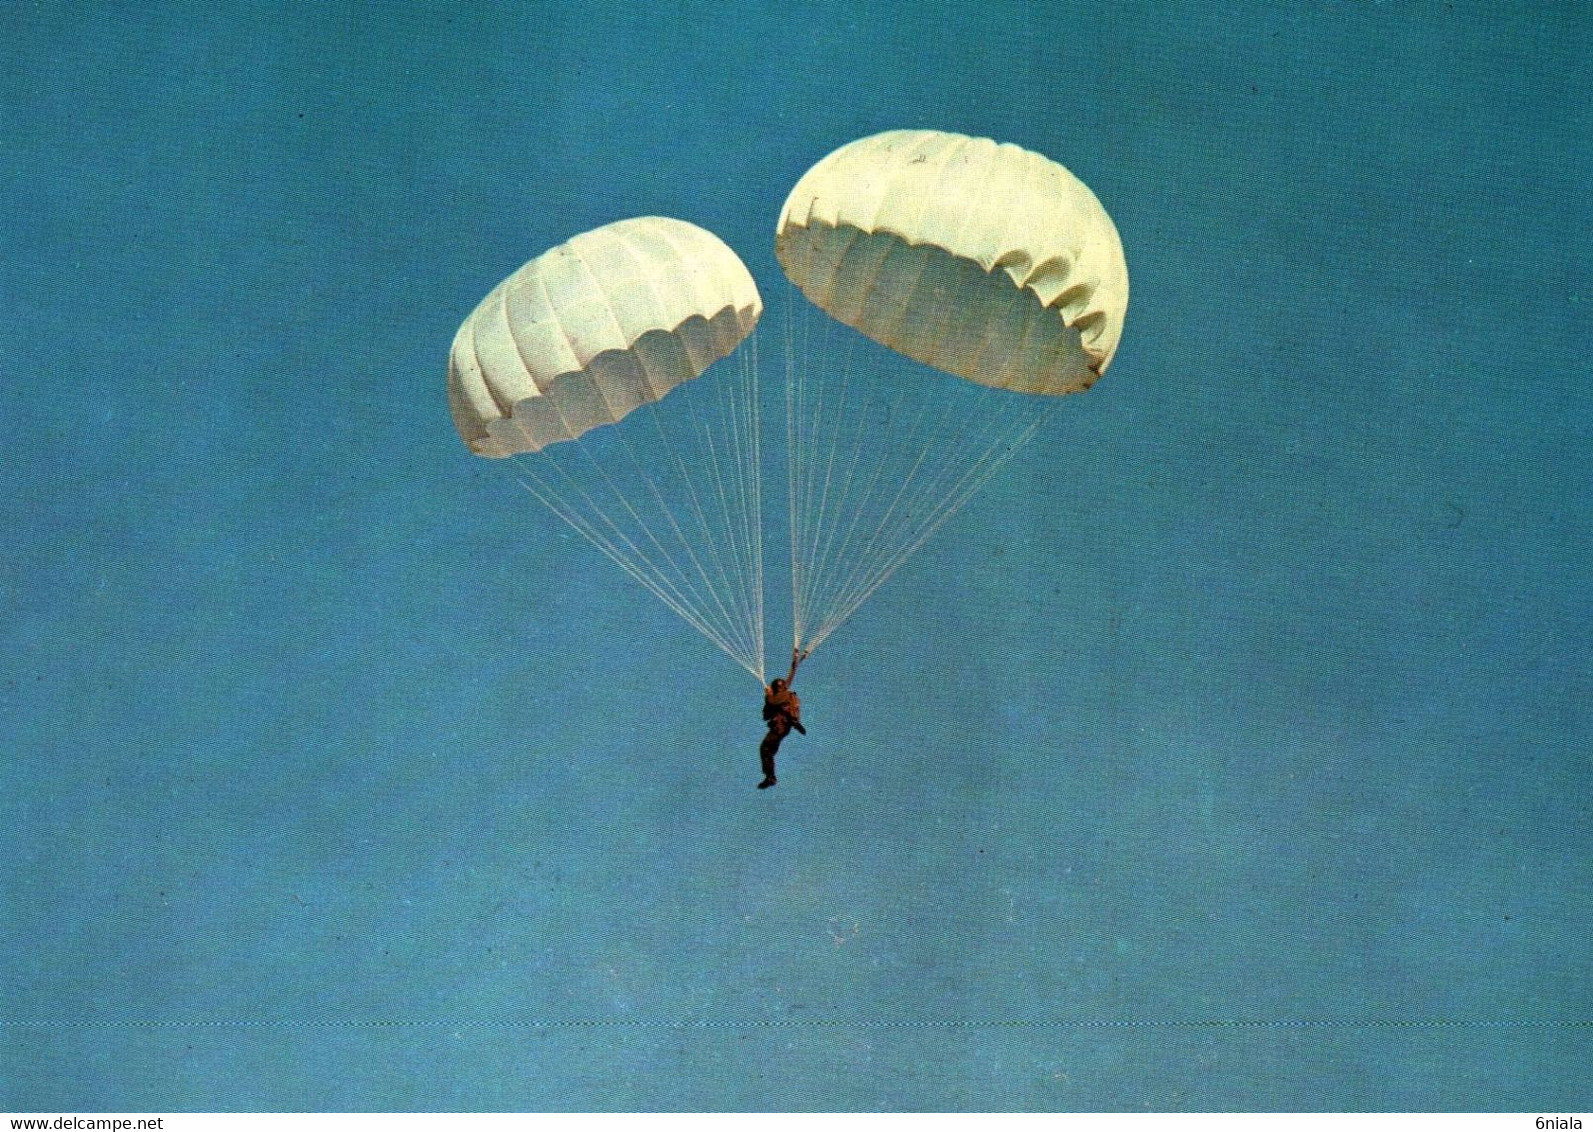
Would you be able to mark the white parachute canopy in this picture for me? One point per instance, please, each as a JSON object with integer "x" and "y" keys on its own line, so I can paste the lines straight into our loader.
{"x": 593, "y": 329}
{"x": 985, "y": 261}
{"x": 563, "y": 365}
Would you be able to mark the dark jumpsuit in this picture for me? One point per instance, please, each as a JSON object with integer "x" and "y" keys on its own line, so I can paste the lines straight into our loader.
{"x": 783, "y": 711}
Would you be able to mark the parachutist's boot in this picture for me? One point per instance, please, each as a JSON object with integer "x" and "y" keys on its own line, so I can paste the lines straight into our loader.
{"x": 771, "y": 780}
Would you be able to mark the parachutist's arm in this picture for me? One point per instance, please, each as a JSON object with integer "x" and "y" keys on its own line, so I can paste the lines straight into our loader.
{"x": 798, "y": 655}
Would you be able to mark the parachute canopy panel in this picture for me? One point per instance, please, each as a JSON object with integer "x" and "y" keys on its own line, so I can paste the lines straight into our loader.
{"x": 590, "y": 330}
{"x": 985, "y": 260}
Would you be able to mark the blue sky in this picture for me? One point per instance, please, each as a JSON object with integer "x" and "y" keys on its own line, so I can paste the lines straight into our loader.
{"x": 1232, "y": 751}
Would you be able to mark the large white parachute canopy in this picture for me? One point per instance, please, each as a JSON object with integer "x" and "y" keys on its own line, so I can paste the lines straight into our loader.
{"x": 582, "y": 364}
{"x": 984, "y": 260}
{"x": 590, "y": 330}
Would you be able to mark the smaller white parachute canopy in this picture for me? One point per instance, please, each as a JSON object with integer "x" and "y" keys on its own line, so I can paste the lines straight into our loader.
{"x": 594, "y": 328}
{"x": 987, "y": 261}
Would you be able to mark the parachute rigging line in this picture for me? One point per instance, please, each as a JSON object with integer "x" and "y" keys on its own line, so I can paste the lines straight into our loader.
{"x": 702, "y": 554}
{"x": 877, "y": 462}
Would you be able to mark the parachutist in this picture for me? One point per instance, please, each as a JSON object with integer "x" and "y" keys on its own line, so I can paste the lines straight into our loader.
{"x": 782, "y": 711}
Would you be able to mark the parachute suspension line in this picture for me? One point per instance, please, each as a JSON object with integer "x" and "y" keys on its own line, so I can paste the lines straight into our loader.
{"x": 789, "y": 342}
{"x": 823, "y": 426}
{"x": 877, "y": 465}
{"x": 668, "y": 515}
{"x": 985, "y": 466}
{"x": 865, "y": 505}
{"x": 916, "y": 502}
{"x": 625, "y": 555}
{"x": 728, "y": 441}
{"x": 807, "y": 418}
{"x": 797, "y": 424}
{"x": 813, "y": 424}
{"x": 795, "y": 365}
{"x": 708, "y": 580}
{"x": 827, "y": 501}
{"x": 701, "y": 556}
{"x": 717, "y": 580}
{"x": 667, "y": 578}
{"x": 754, "y": 470}
{"x": 744, "y": 502}
{"x": 727, "y": 453}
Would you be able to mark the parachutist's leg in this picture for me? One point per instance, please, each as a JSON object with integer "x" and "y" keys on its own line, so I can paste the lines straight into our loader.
{"x": 766, "y": 750}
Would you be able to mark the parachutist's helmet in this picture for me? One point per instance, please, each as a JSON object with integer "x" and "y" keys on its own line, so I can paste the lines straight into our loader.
{"x": 778, "y": 684}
